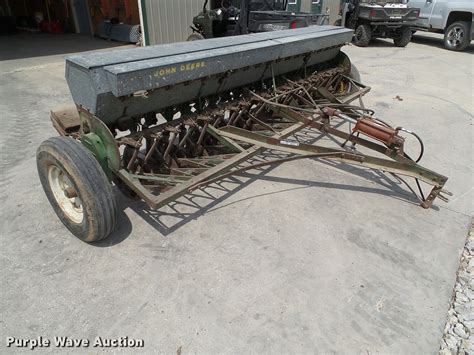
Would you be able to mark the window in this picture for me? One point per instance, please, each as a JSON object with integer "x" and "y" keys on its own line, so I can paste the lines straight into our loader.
{"x": 291, "y": 2}
{"x": 315, "y": 1}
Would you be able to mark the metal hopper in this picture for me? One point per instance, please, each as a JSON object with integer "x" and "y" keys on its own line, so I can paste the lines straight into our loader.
{"x": 113, "y": 84}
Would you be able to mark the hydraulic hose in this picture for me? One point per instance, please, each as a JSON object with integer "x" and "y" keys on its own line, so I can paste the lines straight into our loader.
{"x": 422, "y": 146}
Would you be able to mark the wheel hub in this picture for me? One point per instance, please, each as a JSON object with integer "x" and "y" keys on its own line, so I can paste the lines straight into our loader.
{"x": 65, "y": 194}
{"x": 455, "y": 36}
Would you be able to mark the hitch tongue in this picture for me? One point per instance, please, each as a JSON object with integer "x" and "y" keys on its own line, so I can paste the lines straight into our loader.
{"x": 444, "y": 192}
{"x": 443, "y": 198}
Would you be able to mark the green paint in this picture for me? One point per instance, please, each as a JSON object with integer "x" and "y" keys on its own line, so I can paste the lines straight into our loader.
{"x": 96, "y": 137}
{"x": 146, "y": 37}
{"x": 316, "y": 6}
{"x": 95, "y": 145}
{"x": 294, "y": 7}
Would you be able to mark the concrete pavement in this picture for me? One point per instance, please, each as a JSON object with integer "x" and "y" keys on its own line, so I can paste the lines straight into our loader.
{"x": 303, "y": 258}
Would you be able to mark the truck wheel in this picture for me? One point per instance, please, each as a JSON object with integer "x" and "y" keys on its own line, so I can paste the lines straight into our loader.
{"x": 457, "y": 36}
{"x": 403, "y": 38}
{"x": 77, "y": 188}
{"x": 195, "y": 37}
{"x": 362, "y": 35}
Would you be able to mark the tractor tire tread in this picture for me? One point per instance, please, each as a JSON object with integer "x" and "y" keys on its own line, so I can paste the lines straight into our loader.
{"x": 91, "y": 182}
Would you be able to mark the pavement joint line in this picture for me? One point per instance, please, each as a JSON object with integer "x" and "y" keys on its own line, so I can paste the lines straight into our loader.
{"x": 462, "y": 195}
{"x": 454, "y": 211}
{"x": 34, "y": 67}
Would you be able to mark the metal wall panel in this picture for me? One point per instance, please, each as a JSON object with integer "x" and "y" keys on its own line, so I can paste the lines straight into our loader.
{"x": 305, "y": 6}
{"x": 334, "y": 8}
{"x": 168, "y": 21}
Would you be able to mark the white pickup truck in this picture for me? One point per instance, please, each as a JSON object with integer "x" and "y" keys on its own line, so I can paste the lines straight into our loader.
{"x": 453, "y": 18}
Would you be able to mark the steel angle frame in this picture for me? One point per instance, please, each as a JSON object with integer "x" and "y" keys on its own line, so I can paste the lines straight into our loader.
{"x": 246, "y": 144}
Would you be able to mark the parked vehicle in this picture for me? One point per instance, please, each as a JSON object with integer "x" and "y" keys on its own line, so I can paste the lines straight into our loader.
{"x": 453, "y": 18}
{"x": 378, "y": 19}
{"x": 237, "y": 17}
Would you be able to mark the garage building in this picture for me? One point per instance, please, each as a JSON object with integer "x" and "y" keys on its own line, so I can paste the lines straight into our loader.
{"x": 162, "y": 21}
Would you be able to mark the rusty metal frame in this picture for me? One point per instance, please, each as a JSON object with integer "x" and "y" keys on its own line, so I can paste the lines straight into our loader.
{"x": 243, "y": 144}
{"x": 215, "y": 168}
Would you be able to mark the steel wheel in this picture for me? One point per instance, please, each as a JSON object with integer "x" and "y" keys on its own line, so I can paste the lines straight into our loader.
{"x": 457, "y": 36}
{"x": 77, "y": 188}
{"x": 65, "y": 194}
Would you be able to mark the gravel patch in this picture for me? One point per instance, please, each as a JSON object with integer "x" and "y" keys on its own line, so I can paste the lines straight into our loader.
{"x": 459, "y": 330}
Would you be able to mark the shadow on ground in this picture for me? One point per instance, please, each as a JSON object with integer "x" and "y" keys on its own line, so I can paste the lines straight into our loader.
{"x": 194, "y": 205}
{"x": 419, "y": 38}
{"x": 191, "y": 206}
{"x": 437, "y": 41}
{"x": 26, "y": 45}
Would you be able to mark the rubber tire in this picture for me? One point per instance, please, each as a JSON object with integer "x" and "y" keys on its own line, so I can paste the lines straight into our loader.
{"x": 195, "y": 37}
{"x": 404, "y": 38}
{"x": 466, "y": 27}
{"x": 338, "y": 22}
{"x": 90, "y": 183}
{"x": 362, "y": 35}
